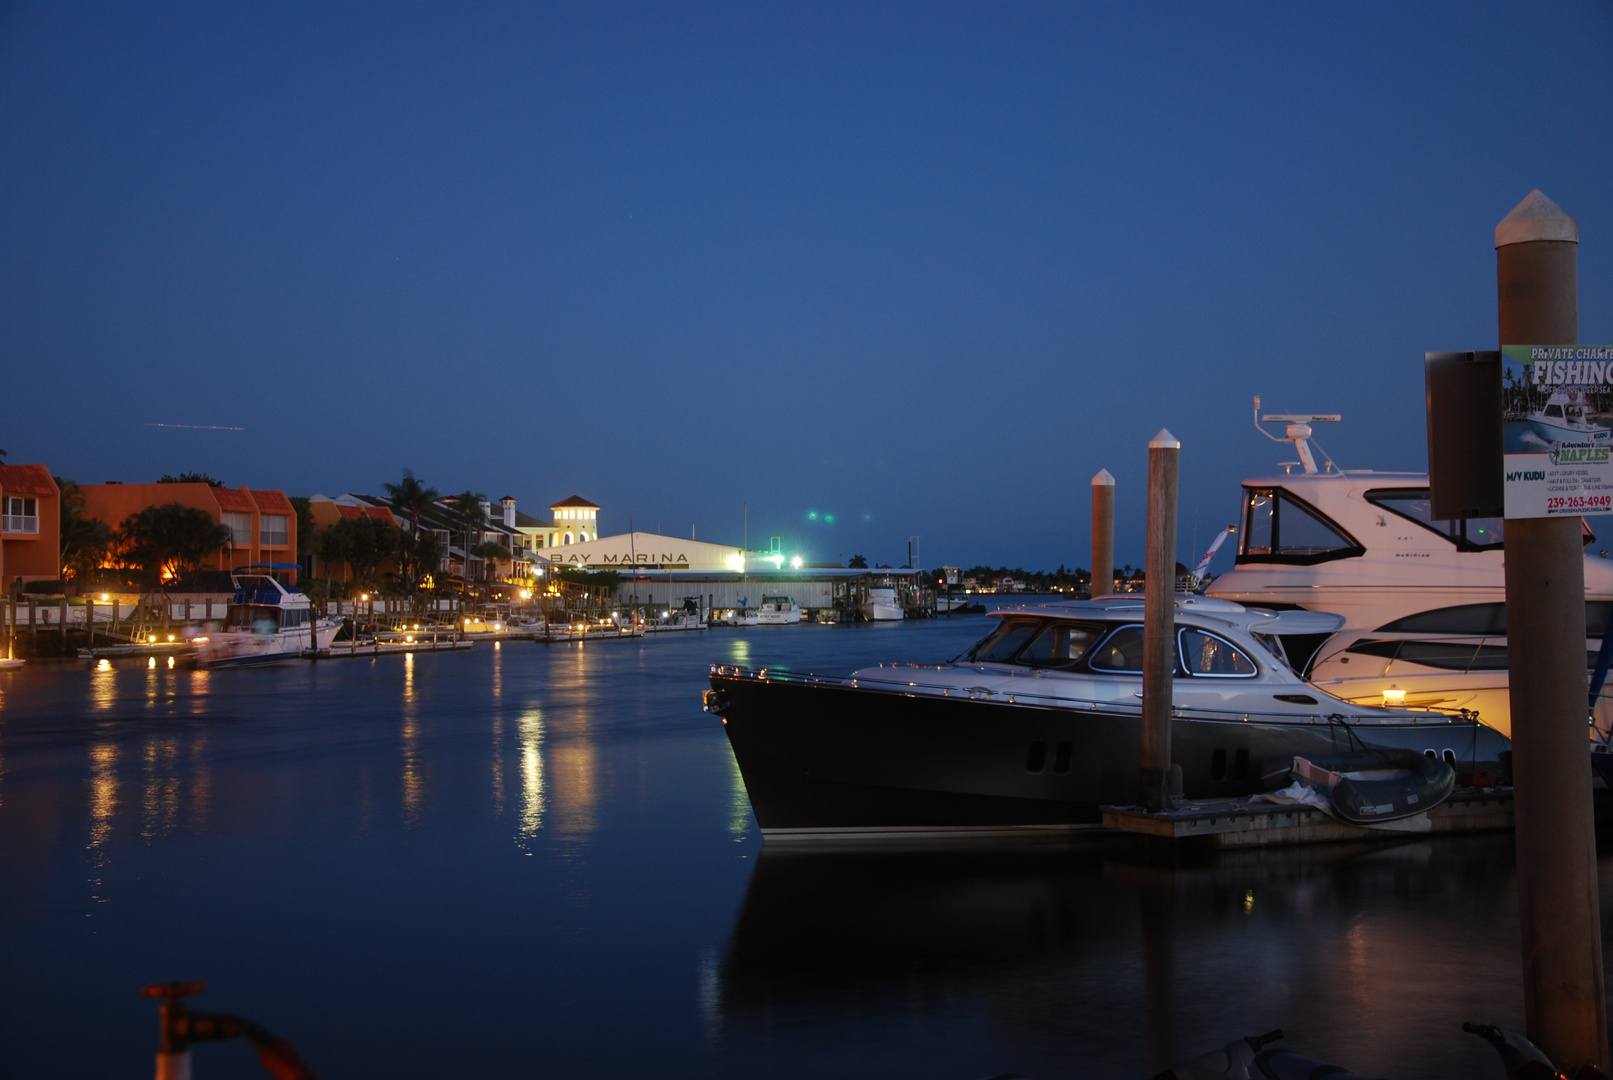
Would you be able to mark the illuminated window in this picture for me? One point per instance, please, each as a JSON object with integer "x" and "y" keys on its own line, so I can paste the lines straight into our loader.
{"x": 274, "y": 530}
{"x": 240, "y": 526}
{"x": 21, "y": 515}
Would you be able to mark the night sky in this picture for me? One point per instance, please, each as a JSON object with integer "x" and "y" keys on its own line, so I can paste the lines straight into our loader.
{"x": 924, "y": 268}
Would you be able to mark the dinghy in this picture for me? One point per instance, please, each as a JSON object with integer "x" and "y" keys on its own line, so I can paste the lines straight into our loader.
{"x": 1366, "y": 787}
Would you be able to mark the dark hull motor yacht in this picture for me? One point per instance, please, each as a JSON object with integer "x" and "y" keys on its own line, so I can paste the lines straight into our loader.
{"x": 1038, "y": 725}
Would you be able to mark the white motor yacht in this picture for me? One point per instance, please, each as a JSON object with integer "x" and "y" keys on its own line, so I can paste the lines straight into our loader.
{"x": 267, "y": 623}
{"x": 1424, "y": 601}
{"x": 778, "y": 611}
{"x": 1565, "y": 418}
{"x": 743, "y": 615}
{"x": 883, "y": 605}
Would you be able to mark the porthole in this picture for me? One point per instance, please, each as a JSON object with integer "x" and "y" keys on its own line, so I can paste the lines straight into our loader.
{"x": 1218, "y": 764}
{"x": 1061, "y": 757}
{"x": 1037, "y": 758}
{"x": 1240, "y": 765}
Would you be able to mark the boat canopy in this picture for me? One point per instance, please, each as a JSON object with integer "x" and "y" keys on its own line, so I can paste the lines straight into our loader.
{"x": 268, "y": 566}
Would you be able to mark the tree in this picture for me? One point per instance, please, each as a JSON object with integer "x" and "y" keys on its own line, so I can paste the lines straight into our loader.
{"x": 190, "y": 478}
{"x": 170, "y": 542}
{"x": 419, "y": 557}
{"x": 858, "y": 562}
{"x": 468, "y": 505}
{"x": 492, "y": 553}
{"x": 363, "y": 543}
{"x": 305, "y": 523}
{"x": 85, "y": 542}
{"x": 410, "y": 498}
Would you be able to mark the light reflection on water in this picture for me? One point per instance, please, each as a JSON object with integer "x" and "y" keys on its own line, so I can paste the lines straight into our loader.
{"x": 522, "y": 839}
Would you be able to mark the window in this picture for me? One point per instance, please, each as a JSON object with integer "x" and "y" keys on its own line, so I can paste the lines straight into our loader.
{"x": 1001, "y": 646}
{"x": 240, "y": 526}
{"x": 21, "y": 515}
{"x": 1210, "y": 656}
{"x": 1122, "y": 651}
{"x": 1444, "y": 655}
{"x": 1468, "y": 534}
{"x": 1554, "y": 411}
{"x": 1060, "y": 644}
{"x": 1278, "y": 527}
{"x": 275, "y": 530}
{"x": 1485, "y": 620}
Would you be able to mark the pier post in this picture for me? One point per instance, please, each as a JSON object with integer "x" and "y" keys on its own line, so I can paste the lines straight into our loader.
{"x": 1159, "y": 620}
{"x": 1565, "y": 1006}
{"x": 1103, "y": 533}
{"x": 89, "y": 619}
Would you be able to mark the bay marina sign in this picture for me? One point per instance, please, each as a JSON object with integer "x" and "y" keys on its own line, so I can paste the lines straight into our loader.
{"x": 651, "y": 551}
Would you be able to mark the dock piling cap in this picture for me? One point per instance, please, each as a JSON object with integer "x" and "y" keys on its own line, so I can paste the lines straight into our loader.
{"x": 1536, "y": 218}
{"x": 1105, "y": 478}
{"x": 1164, "y": 441}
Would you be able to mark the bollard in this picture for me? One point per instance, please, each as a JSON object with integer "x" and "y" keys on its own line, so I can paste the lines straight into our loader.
{"x": 1159, "y": 621}
{"x": 1103, "y": 533}
{"x": 1565, "y": 1006}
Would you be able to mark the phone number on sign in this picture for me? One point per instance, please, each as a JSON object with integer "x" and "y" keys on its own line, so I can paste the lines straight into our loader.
{"x": 1585, "y": 502}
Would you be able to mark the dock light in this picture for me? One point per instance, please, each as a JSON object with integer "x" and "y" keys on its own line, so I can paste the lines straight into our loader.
{"x": 1394, "y": 697}
{"x": 151, "y": 661}
{"x": 795, "y": 563}
{"x": 170, "y": 637}
{"x": 105, "y": 598}
{"x": 170, "y": 661}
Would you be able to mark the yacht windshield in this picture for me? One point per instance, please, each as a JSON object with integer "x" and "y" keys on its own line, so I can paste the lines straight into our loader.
{"x": 1278, "y": 527}
{"x": 1206, "y": 654}
{"x": 1001, "y": 646}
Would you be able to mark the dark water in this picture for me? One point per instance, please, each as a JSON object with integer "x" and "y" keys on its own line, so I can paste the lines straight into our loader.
{"x": 539, "y": 861}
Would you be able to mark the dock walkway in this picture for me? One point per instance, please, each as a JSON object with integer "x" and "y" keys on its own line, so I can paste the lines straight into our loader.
{"x": 1238, "y": 823}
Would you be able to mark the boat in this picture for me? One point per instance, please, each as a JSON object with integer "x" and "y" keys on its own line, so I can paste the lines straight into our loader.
{"x": 1565, "y": 419}
{"x": 778, "y": 611}
{"x": 882, "y": 605}
{"x": 1368, "y": 787}
{"x": 266, "y": 623}
{"x": 1039, "y": 724}
{"x": 1423, "y": 601}
{"x": 743, "y": 615}
{"x": 946, "y": 605}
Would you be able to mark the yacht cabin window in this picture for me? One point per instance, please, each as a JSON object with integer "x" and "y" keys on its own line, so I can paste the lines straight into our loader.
{"x": 1280, "y": 527}
{"x": 1121, "y": 651}
{"x": 1468, "y": 534}
{"x": 1060, "y": 644}
{"x": 1207, "y": 655}
{"x": 1554, "y": 411}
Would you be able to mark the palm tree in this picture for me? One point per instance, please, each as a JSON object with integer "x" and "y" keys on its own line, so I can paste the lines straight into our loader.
{"x": 410, "y": 498}
{"x": 468, "y": 505}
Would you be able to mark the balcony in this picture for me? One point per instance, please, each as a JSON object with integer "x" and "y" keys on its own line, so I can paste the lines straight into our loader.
{"x": 20, "y": 523}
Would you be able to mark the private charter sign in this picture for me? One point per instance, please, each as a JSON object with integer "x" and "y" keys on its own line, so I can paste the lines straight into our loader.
{"x": 1557, "y": 429}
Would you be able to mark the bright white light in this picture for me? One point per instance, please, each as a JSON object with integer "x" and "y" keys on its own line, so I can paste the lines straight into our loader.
{"x": 795, "y": 563}
{"x": 1394, "y": 697}
{"x": 736, "y": 563}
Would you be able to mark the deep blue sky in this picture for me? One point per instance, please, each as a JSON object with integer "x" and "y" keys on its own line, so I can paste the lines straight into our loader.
{"x": 927, "y": 268}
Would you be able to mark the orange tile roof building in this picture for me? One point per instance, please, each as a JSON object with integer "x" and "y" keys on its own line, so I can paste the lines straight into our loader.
{"x": 262, "y": 524}
{"x": 327, "y": 512}
{"x": 30, "y": 526}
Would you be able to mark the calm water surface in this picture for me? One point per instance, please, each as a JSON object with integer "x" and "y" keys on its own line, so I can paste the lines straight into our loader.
{"x": 532, "y": 860}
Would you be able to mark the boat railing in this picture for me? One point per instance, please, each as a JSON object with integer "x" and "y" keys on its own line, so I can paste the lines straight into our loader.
{"x": 1019, "y": 697}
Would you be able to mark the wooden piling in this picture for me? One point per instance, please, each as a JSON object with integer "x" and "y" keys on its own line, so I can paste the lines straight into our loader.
{"x": 1565, "y": 1006}
{"x": 1159, "y": 620}
{"x": 1103, "y": 533}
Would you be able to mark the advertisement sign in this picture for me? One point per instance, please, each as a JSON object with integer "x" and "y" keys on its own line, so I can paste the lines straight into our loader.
{"x": 1557, "y": 429}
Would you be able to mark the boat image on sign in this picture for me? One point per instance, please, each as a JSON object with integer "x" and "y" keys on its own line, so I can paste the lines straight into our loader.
{"x": 1040, "y": 723}
{"x": 1565, "y": 418}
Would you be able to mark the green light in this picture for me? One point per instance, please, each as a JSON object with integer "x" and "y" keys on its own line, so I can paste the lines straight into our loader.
{"x": 829, "y": 518}
{"x": 813, "y": 516}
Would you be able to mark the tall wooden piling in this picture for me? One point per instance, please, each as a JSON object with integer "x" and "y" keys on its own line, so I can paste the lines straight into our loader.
{"x": 1558, "y": 906}
{"x": 1159, "y": 621}
{"x": 1103, "y": 533}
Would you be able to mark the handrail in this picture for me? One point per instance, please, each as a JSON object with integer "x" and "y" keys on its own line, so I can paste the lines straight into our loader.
{"x": 1016, "y": 697}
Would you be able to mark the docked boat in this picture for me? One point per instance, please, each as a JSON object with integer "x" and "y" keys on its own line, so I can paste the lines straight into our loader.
{"x": 1565, "y": 419}
{"x": 1040, "y": 723}
{"x": 266, "y": 623}
{"x": 743, "y": 615}
{"x": 883, "y": 605}
{"x": 1423, "y": 601}
{"x": 778, "y": 611}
